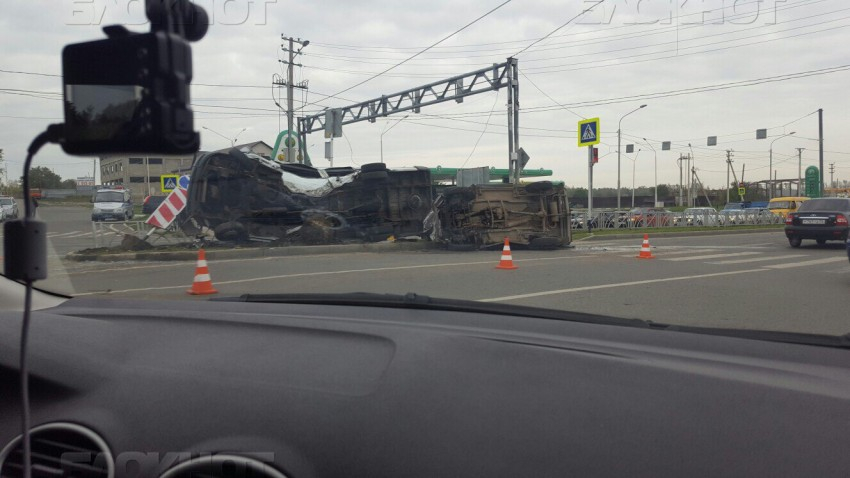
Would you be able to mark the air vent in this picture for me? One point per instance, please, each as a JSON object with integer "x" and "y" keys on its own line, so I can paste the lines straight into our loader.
{"x": 223, "y": 466}
{"x": 59, "y": 450}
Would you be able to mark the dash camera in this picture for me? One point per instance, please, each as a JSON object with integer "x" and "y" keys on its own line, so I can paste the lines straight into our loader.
{"x": 129, "y": 93}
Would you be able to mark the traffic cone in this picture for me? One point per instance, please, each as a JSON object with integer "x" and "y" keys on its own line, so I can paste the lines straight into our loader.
{"x": 202, "y": 284}
{"x": 507, "y": 261}
{"x": 645, "y": 252}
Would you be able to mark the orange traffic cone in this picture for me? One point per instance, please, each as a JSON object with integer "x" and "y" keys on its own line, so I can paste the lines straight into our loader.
{"x": 202, "y": 284}
{"x": 645, "y": 252}
{"x": 507, "y": 261}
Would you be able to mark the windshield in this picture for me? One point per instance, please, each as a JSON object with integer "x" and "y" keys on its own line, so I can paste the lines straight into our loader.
{"x": 436, "y": 142}
{"x": 825, "y": 205}
{"x": 109, "y": 196}
{"x": 7, "y": 201}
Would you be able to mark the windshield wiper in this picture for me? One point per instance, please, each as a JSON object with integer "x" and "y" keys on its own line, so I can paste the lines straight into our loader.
{"x": 424, "y": 302}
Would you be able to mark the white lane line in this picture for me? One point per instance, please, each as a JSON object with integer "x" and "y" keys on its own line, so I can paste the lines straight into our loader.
{"x": 663, "y": 252}
{"x": 758, "y": 259}
{"x": 619, "y": 284}
{"x": 808, "y": 263}
{"x": 710, "y": 256}
{"x": 330, "y": 273}
{"x": 51, "y": 235}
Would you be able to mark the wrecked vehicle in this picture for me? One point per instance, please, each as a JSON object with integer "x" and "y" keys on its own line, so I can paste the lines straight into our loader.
{"x": 535, "y": 215}
{"x": 241, "y": 196}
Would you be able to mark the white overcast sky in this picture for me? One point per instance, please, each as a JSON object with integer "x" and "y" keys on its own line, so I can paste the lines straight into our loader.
{"x": 621, "y": 49}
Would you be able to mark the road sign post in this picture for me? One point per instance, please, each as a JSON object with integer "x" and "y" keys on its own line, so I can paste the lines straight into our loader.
{"x": 588, "y": 135}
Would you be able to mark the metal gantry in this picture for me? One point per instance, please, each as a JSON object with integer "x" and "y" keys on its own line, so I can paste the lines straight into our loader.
{"x": 457, "y": 88}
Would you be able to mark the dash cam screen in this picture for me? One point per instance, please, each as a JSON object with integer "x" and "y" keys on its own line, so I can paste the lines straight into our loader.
{"x": 100, "y": 112}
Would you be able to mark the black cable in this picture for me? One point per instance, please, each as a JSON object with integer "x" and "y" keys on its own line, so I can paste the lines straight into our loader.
{"x": 52, "y": 134}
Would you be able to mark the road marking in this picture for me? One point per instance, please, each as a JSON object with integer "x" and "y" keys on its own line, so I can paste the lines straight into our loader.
{"x": 807, "y": 263}
{"x": 55, "y": 234}
{"x": 664, "y": 252}
{"x": 328, "y": 273}
{"x": 757, "y": 259}
{"x": 710, "y": 256}
{"x": 619, "y": 284}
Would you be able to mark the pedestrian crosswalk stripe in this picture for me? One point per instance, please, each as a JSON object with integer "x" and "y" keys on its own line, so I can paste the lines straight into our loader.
{"x": 711, "y": 256}
{"x": 664, "y": 253}
{"x": 808, "y": 263}
{"x": 758, "y": 259}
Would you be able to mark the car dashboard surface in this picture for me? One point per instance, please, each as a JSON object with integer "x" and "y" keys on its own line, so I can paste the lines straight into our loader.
{"x": 336, "y": 391}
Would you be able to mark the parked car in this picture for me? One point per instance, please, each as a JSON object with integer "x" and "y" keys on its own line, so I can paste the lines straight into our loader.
{"x": 9, "y": 207}
{"x": 698, "y": 216}
{"x": 822, "y": 219}
{"x": 650, "y": 217}
{"x": 732, "y": 216}
{"x": 151, "y": 203}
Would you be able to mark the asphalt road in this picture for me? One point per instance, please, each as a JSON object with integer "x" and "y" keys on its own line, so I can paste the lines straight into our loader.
{"x": 742, "y": 281}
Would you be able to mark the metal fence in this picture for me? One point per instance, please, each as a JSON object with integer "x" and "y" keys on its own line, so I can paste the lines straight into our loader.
{"x": 658, "y": 219}
{"x": 110, "y": 234}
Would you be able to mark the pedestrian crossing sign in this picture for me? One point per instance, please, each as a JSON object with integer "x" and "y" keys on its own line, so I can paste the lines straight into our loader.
{"x": 168, "y": 182}
{"x": 588, "y": 132}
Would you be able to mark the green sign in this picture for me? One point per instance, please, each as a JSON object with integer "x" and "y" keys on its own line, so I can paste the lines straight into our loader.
{"x": 813, "y": 182}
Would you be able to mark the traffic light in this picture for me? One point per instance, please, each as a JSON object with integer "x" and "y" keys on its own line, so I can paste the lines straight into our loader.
{"x": 595, "y": 155}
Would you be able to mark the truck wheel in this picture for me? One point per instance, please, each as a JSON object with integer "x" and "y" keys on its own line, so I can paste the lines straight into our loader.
{"x": 231, "y": 232}
{"x": 795, "y": 241}
{"x": 374, "y": 176}
{"x": 371, "y": 167}
{"x": 539, "y": 187}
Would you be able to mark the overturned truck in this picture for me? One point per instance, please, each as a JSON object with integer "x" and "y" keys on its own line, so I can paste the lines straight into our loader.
{"x": 244, "y": 197}
{"x": 535, "y": 215}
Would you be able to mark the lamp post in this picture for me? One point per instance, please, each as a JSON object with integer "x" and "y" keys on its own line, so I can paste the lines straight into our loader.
{"x": 634, "y": 161}
{"x": 770, "y": 171}
{"x": 386, "y": 129}
{"x": 655, "y": 153}
{"x": 619, "y": 145}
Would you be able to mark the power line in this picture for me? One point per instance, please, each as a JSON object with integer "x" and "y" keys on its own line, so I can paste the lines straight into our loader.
{"x": 424, "y": 50}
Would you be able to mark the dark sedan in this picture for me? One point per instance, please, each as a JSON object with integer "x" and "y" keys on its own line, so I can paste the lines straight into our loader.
{"x": 822, "y": 219}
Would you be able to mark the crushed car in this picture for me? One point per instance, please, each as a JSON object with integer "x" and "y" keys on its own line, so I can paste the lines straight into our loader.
{"x": 242, "y": 196}
{"x": 535, "y": 215}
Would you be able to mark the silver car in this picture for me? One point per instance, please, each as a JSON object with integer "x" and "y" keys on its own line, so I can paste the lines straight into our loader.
{"x": 9, "y": 208}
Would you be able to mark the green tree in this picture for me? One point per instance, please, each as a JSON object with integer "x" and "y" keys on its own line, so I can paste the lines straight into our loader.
{"x": 69, "y": 184}
{"x": 42, "y": 177}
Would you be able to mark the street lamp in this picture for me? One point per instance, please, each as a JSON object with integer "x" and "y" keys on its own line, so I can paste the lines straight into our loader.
{"x": 619, "y": 145}
{"x": 770, "y": 171}
{"x": 655, "y": 153}
{"x": 634, "y": 161}
{"x": 386, "y": 129}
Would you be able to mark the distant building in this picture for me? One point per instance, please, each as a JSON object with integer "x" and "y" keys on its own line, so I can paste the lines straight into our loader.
{"x": 141, "y": 174}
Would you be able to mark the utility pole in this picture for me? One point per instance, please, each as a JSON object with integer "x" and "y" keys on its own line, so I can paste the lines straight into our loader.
{"x": 800, "y": 171}
{"x": 290, "y": 88}
{"x": 681, "y": 189}
{"x": 690, "y": 176}
{"x": 728, "y": 166}
{"x": 831, "y": 173}
{"x": 820, "y": 146}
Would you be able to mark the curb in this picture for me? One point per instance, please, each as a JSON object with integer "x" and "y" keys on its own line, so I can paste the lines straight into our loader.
{"x": 254, "y": 252}
{"x": 606, "y": 237}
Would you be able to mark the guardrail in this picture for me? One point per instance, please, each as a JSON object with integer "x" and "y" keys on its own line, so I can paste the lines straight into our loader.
{"x": 108, "y": 234}
{"x": 650, "y": 220}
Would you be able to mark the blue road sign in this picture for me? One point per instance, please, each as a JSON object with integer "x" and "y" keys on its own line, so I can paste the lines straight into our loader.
{"x": 588, "y": 132}
{"x": 183, "y": 182}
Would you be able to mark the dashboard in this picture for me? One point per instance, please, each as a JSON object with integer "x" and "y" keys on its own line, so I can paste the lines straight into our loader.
{"x": 301, "y": 390}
